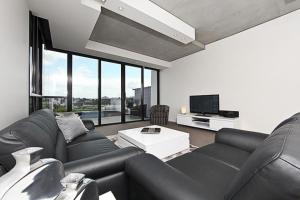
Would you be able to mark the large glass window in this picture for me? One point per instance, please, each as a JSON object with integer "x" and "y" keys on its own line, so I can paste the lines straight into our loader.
{"x": 120, "y": 85}
{"x": 54, "y": 84}
{"x": 110, "y": 92}
{"x": 85, "y": 88}
{"x": 133, "y": 88}
{"x": 54, "y": 73}
{"x": 150, "y": 90}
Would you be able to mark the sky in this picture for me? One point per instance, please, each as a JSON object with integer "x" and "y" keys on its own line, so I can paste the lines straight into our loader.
{"x": 85, "y": 77}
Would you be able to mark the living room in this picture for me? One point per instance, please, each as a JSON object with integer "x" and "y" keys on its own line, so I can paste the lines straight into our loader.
{"x": 150, "y": 99}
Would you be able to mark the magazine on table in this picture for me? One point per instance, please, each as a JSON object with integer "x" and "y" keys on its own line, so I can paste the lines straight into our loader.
{"x": 150, "y": 130}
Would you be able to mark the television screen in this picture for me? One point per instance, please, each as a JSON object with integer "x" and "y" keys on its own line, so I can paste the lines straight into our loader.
{"x": 204, "y": 104}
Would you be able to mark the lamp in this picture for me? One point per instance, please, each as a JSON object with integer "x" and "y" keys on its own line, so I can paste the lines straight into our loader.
{"x": 183, "y": 110}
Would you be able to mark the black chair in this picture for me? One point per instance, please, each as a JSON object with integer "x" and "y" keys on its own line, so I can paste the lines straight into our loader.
{"x": 159, "y": 115}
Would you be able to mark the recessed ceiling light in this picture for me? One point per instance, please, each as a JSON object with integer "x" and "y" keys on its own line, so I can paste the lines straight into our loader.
{"x": 121, "y": 8}
{"x": 102, "y": 2}
{"x": 175, "y": 35}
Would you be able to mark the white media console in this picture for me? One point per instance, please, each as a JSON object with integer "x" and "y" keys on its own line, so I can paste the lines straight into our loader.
{"x": 212, "y": 122}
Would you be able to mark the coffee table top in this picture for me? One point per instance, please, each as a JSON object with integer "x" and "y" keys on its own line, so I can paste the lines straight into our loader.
{"x": 141, "y": 140}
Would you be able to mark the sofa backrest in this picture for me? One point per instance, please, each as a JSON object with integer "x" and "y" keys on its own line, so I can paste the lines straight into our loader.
{"x": 38, "y": 130}
{"x": 272, "y": 172}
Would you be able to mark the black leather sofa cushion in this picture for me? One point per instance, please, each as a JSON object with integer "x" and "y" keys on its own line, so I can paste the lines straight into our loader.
{"x": 46, "y": 121}
{"x": 245, "y": 140}
{"x": 61, "y": 148}
{"x": 213, "y": 166}
{"x": 89, "y": 148}
{"x": 91, "y": 135}
{"x": 159, "y": 181}
{"x": 212, "y": 175}
{"x": 38, "y": 130}
{"x": 29, "y": 134}
{"x": 229, "y": 155}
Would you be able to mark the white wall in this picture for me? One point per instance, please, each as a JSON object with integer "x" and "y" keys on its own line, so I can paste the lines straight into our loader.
{"x": 14, "y": 34}
{"x": 256, "y": 72}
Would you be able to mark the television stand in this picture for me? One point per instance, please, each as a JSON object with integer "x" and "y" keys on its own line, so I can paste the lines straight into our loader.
{"x": 211, "y": 122}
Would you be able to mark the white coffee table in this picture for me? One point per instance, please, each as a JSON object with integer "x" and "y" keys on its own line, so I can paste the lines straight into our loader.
{"x": 168, "y": 142}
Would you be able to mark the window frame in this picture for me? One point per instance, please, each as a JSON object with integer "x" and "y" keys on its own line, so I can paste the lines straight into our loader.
{"x": 69, "y": 97}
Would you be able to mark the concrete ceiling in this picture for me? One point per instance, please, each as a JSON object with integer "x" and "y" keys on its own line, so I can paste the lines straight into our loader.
{"x": 71, "y": 25}
{"x": 115, "y": 30}
{"x": 215, "y": 19}
{"x": 80, "y": 28}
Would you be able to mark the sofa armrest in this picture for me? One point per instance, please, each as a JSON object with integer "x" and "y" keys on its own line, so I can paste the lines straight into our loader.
{"x": 245, "y": 140}
{"x": 102, "y": 165}
{"x": 89, "y": 124}
{"x": 160, "y": 180}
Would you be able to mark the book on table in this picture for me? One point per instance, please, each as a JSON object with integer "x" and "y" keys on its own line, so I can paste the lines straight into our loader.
{"x": 150, "y": 130}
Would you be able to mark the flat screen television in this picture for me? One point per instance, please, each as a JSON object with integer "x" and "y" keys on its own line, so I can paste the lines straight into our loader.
{"x": 204, "y": 104}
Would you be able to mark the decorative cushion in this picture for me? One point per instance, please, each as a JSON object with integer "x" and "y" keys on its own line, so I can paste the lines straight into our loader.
{"x": 71, "y": 126}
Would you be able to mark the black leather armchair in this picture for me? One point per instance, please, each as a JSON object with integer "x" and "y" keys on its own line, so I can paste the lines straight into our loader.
{"x": 159, "y": 115}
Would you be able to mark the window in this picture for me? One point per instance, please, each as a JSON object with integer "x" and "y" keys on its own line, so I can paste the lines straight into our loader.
{"x": 110, "y": 93}
{"x": 150, "y": 90}
{"x": 85, "y": 88}
{"x": 55, "y": 104}
{"x": 133, "y": 89}
{"x": 105, "y": 92}
{"x": 54, "y": 81}
{"x": 54, "y": 74}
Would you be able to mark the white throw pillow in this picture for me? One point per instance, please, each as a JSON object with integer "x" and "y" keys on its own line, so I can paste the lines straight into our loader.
{"x": 71, "y": 126}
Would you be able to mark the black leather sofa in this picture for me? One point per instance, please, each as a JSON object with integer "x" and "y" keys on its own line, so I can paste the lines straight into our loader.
{"x": 240, "y": 165}
{"x": 92, "y": 153}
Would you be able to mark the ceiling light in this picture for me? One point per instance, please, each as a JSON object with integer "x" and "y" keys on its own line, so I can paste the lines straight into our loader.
{"x": 102, "y": 2}
{"x": 121, "y": 8}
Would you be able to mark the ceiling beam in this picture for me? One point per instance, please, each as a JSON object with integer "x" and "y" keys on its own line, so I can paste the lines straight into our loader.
{"x": 199, "y": 44}
{"x": 96, "y": 46}
{"x": 152, "y": 16}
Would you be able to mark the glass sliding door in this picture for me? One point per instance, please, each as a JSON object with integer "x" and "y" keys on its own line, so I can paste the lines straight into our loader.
{"x": 54, "y": 81}
{"x": 150, "y": 90}
{"x": 133, "y": 89}
{"x": 110, "y": 93}
{"x": 85, "y": 88}
{"x": 104, "y": 91}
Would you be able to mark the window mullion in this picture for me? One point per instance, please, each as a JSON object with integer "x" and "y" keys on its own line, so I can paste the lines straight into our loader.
{"x": 69, "y": 84}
